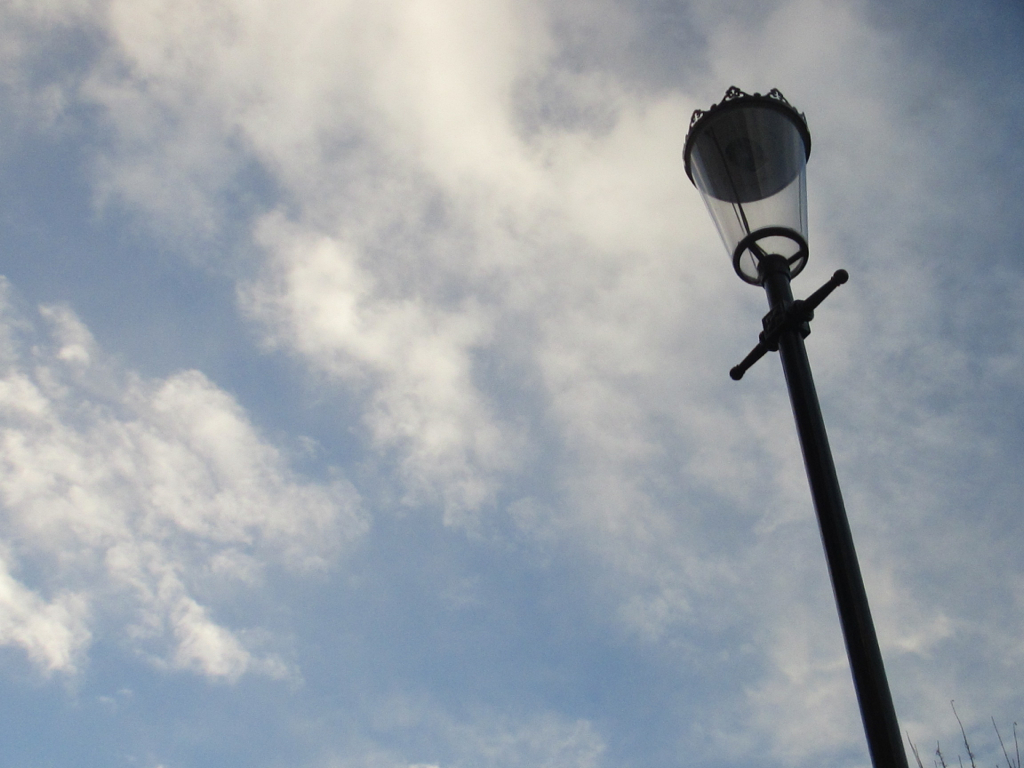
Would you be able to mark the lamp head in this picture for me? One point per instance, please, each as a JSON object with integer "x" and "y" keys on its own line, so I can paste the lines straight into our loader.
{"x": 747, "y": 157}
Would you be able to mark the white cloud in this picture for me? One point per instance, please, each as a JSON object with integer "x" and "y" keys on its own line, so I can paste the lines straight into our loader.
{"x": 125, "y": 497}
{"x": 52, "y": 633}
{"x": 417, "y": 359}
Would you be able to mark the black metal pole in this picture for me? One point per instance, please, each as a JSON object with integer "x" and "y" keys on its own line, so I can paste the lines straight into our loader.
{"x": 880, "y": 725}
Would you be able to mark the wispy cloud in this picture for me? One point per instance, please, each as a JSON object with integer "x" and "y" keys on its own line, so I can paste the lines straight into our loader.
{"x": 126, "y": 499}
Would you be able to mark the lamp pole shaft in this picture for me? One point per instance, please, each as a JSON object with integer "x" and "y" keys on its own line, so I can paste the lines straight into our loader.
{"x": 880, "y": 725}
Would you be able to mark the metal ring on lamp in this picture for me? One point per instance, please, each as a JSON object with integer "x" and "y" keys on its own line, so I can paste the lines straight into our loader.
{"x": 796, "y": 262}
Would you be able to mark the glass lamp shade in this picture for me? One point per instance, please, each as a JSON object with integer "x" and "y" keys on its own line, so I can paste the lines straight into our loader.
{"x": 747, "y": 157}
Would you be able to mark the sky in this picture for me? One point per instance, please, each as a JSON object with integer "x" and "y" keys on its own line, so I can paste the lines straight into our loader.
{"x": 364, "y": 395}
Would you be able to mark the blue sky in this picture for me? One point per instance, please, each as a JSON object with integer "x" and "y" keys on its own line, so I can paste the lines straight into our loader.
{"x": 364, "y": 396}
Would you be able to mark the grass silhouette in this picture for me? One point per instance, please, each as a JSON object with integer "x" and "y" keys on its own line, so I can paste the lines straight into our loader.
{"x": 940, "y": 758}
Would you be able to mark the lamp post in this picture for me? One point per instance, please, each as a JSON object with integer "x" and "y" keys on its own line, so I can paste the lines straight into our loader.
{"x": 747, "y": 157}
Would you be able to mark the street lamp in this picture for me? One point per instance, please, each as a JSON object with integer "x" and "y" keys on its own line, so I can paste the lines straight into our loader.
{"x": 747, "y": 157}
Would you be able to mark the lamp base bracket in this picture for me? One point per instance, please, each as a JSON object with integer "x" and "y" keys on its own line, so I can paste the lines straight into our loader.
{"x": 797, "y": 315}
